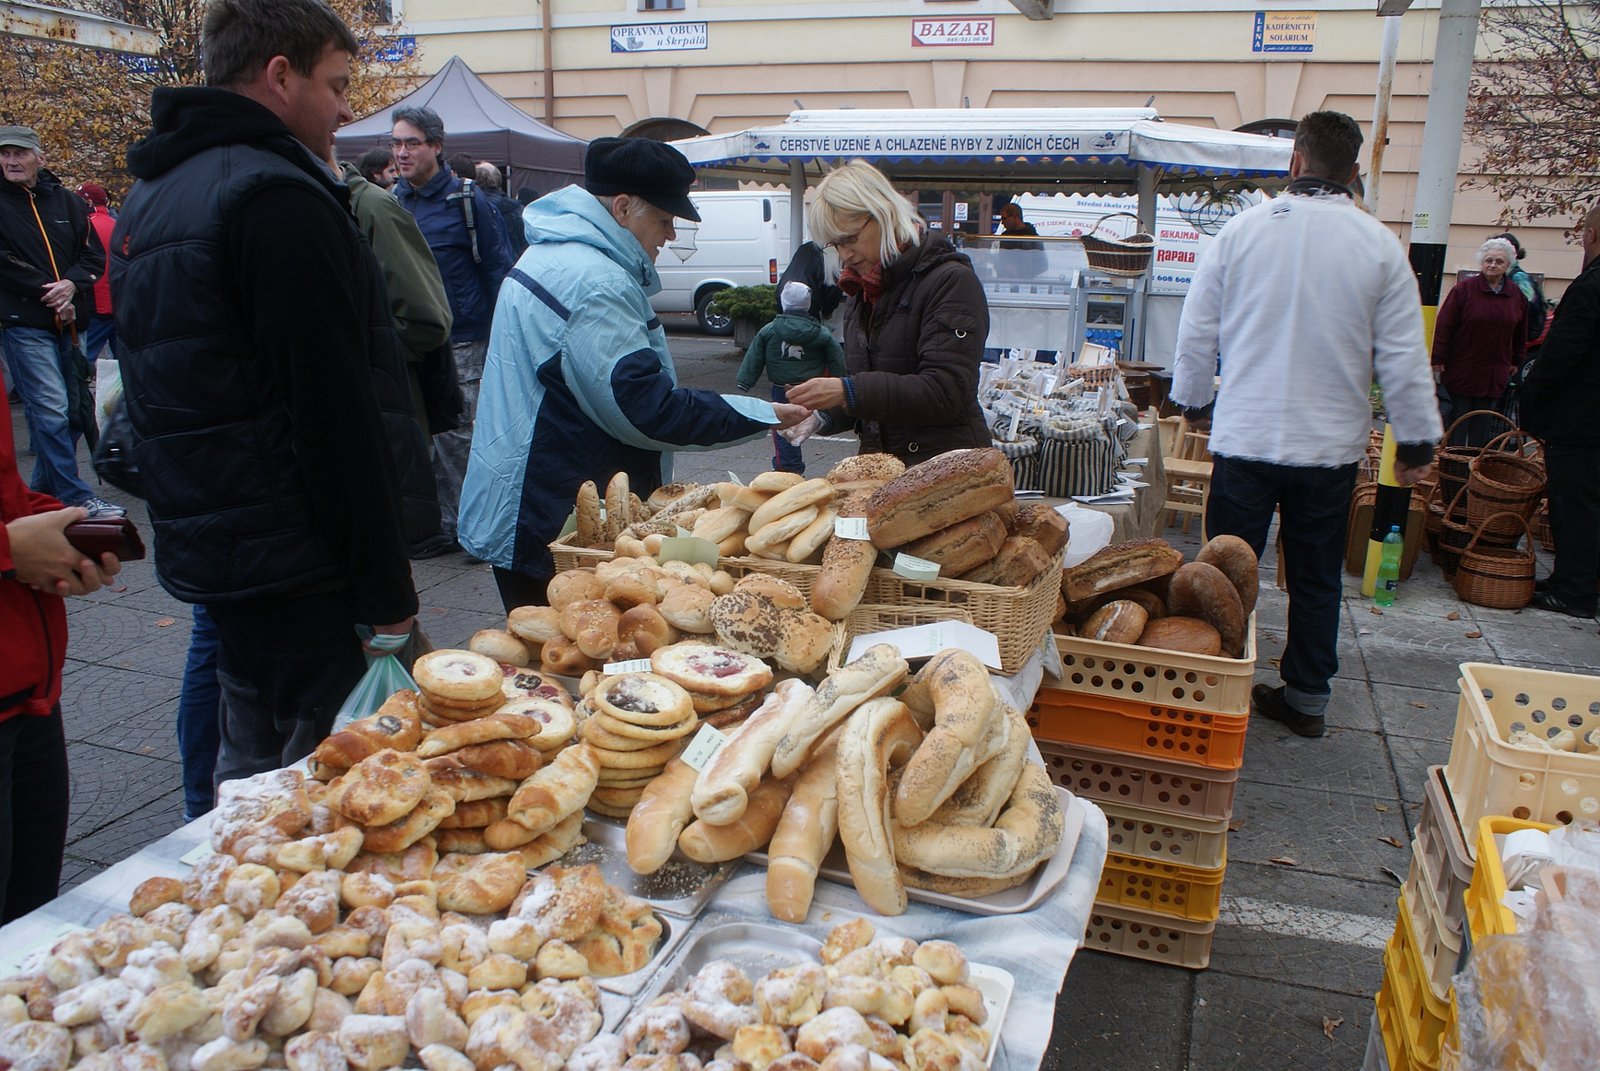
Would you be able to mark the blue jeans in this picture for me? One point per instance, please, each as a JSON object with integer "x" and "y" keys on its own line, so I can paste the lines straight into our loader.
{"x": 1313, "y": 505}
{"x": 199, "y": 716}
{"x": 786, "y": 455}
{"x": 102, "y": 332}
{"x": 38, "y": 362}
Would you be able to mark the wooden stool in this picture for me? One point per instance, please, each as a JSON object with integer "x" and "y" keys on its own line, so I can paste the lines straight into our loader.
{"x": 1188, "y": 476}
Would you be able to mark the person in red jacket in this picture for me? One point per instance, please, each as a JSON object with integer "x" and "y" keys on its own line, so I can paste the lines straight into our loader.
{"x": 37, "y": 567}
{"x": 102, "y": 329}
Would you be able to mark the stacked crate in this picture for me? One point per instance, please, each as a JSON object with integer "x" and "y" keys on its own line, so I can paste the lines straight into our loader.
{"x": 1156, "y": 739}
{"x": 1451, "y": 895}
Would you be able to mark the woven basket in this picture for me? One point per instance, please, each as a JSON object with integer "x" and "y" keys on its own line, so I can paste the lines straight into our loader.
{"x": 1454, "y": 535}
{"x": 1455, "y": 462}
{"x": 1497, "y": 577}
{"x": 1503, "y": 481}
{"x": 1118, "y": 256}
{"x": 1432, "y": 521}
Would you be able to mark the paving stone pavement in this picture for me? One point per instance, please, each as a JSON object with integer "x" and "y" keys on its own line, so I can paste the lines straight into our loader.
{"x": 1300, "y": 942}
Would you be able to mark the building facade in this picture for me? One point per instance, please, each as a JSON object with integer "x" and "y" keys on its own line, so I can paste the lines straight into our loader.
{"x": 674, "y": 68}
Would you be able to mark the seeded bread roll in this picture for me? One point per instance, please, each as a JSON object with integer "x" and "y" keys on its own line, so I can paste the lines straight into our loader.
{"x": 936, "y": 494}
{"x": 866, "y": 467}
{"x": 1118, "y": 566}
{"x": 963, "y": 546}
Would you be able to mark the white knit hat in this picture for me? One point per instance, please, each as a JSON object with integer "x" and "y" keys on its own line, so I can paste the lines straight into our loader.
{"x": 796, "y": 297}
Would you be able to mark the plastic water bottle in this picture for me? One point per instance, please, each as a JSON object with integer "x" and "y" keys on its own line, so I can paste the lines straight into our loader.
{"x": 1389, "y": 568}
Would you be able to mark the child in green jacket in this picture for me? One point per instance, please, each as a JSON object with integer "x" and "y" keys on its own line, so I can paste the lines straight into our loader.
{"x": 791, "y": 349}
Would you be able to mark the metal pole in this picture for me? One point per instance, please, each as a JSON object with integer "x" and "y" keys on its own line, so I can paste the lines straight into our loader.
{"x": 547, "y": 18}
{"x": 1380, "y": 108}
{"x": 797, "y": 205}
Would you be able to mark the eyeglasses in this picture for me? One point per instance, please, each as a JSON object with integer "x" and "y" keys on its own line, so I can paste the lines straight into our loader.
{"x": 849, "y": 239}
{"x": 406, "y": 143}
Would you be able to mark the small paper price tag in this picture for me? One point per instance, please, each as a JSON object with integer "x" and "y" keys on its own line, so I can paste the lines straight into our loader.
{"x": 687, "y": 549}
{"x": 734, "y": 478}
{"x": 706, "y": 743}
{"x": 196, "y": 855}
{"x": 851, "y": 528}
{"x": 631, "y": 665}
{"x": 913, "y": 568}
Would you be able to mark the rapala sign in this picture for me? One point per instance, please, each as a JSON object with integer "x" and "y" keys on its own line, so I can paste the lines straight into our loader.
{"x": 929, "y": 33}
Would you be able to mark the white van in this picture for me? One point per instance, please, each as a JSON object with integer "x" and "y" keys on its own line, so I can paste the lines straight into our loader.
{"x": 742, "y": 239}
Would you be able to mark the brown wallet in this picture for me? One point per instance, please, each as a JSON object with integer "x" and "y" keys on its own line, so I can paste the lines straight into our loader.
{"x": 95, "y": 536}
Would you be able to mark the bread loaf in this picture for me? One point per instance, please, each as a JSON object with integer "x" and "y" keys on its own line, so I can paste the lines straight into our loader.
{"x": 964, "y": 707}
{"x": 1118, "y": 566}
{"x": 1017, "y": 564}
{"x": 963, "y": 546}
{"x": 706, "y": 843}
{"x": 879, "y": 669}
{"x": 722, "y": 790}
{"x": 660, "y": 815}
{"x": 1041, "y": 523}
{"x": 1237, "y": 562}
{"x": 879, "y": 736}
{"x": 805, "y": 832}
{"x": 882, "y": 467}
{"x": 1119, "y": 621}
{"x": 936, "y": 494}
{"x": 842, "y": 580}
{"x": 1187, "y": 634}
{"x": 1200, "y": 590}
{"x": 1024, "y": 835}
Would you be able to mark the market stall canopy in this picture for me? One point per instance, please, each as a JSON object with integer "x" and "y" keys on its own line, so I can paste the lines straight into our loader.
{"x": 483, "y": 124}
{"x": 1017, "y": 150}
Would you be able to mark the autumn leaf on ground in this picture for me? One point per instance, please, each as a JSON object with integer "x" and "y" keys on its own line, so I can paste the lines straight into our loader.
{"x": 1474, "y": 635}
{"x": 1453, "y": 615}
{"x": 1284, "y": 860}
{"x": 1420, "y": 706}
{"x": 1392, "y": 840}
{"x": 1235, "y": 824}
{"x": 1380, "y": 806}
{"x": 1329, "y": 1025}
{"x": 163, "y": 622}
{"x": 1374, "y": 610}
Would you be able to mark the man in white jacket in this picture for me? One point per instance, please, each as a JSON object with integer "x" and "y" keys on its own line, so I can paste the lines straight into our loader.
{"x": 1305, "y": 298}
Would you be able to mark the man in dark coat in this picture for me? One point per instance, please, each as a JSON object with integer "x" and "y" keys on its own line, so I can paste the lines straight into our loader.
{"x": 1560, "y": 398}
{"x": 285, "y": 470}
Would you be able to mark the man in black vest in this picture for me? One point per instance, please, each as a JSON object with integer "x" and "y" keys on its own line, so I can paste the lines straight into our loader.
{"x": 284, "y": 466}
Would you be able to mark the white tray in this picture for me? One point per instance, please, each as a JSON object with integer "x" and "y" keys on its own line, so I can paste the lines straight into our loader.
{"x": 1007, "y": 902}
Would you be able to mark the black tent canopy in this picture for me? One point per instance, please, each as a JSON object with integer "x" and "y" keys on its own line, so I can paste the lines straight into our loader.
{"x": 483, "y": 124}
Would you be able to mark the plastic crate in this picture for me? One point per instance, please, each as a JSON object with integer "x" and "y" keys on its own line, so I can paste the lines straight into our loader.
{"x": 1376, "y": 1059}
{"x": 1152, "y": 675}
{"x": 1487, "y": 776}
{"x": 1162, "y": 888}
{"x": 1486, "y": 915}
{"x": 1127, "y": 931}
{"x": 1151, "y": 783}
{"x": 1420, "y": 1014}
{"x": 1181, "y": 839}
{"x": 1446, "y": 865}
{"x": 1196, "y": 737}
{"x": 1438, "y": 949}
{"x": 1396, "y": 1042}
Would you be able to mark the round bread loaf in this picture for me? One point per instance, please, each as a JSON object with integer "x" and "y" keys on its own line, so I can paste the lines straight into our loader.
{"x": 963, "y": 546}
{"x": 1237, "y": 562}
{"x": 938, "y": 493}
{"x": 1119, "y": 621}
{"x": 1186, "y": 634}
{"x": 1200, "y": 590}
{"x": 866, "y": 467}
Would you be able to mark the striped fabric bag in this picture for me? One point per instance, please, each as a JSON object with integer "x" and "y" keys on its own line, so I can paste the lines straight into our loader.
{"x": 1076, "y": 459}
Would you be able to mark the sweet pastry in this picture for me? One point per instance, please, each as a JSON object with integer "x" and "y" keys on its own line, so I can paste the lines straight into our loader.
{"x": 382, "y": 788}
{"x": 478, "y": 884}
{"x": 557, "y": 790}
{"x": 506, "y": 724}
{"x": 532, "y": 684}
{"x": 707, "y": 669}
{"x": 411, "y": 827}
{"x": 513, "y": 759}
{"x": 936, "y": 494}
{"x": 646, "y": 700}
{"x": 396, "y": 724}
{"x": 464, "y": 784}
{"x": 557, "y": 721}
{"x": 459, "y": 676}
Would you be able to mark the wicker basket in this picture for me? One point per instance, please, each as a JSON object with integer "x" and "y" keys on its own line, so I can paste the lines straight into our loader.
{"x": 1454, "y": 534}
{"x": 1503, "y": 481}
{"x": 1432, "y": 521}
{"x": 1118, "y": 256}
{"x": 1496, "y": 577}
{"x": 1455, "y": 461}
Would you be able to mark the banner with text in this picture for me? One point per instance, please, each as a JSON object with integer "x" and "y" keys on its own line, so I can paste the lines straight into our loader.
{"x": 1104, "y": 143}
{"x": 659, "y": 37}
{"x": 1284, "y": 31}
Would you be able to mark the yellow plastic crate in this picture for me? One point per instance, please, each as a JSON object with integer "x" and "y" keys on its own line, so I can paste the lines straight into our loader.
{"x": 1420, "y": 1014}
{"x": 1127, "y": 931}
{"x": 1486, "y": 915}
{"x": 1395, "y": 1051}
{"x": 1163, "y": 888}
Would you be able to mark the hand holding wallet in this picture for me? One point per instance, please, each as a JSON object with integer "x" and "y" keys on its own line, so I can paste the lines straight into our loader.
{"x": 94, "y": 536}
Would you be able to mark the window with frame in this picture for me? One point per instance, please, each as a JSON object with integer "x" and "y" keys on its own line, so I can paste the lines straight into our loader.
{"x": 661, "y": 5}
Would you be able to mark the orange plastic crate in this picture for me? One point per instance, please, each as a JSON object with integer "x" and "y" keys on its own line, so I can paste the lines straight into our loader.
{"x": 1199, "y": 737}
{"x": 1163, "y": 888}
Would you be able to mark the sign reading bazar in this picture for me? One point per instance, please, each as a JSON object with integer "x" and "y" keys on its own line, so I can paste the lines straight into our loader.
{"x": 1284, "y": 31}
{"x": 659, "y": 37}
{"x": 926, "y": 33}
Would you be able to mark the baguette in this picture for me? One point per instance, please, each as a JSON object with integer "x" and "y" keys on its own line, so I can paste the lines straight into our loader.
{"x": 1118, "y": 566}
{"x": 722, "y": 790}
{"x": 875, "y": 673}
{"x": 659, "y": 817}
{"x": 705, "y": 843}
{"x": 880, "y": 735}
{"x": 805, "y": 832}
{"x": 964, "y": 707}
{"x": 936, "y": 494}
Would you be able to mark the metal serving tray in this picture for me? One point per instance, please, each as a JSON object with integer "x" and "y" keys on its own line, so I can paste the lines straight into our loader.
{"x": 682, "y": 887}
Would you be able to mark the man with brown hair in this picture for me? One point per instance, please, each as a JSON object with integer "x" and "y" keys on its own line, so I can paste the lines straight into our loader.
{"x": 285, "y": 470}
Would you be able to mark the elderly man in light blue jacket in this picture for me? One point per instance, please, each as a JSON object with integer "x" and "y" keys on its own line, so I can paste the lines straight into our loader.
{"x": 579, "y": 384}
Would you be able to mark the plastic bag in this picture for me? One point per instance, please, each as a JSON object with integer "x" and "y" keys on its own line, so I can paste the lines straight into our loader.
{"x": 384, "y": 677}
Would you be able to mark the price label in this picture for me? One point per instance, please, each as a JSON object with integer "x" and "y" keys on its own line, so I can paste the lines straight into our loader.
{"x": 196, "y": 855}
{"x": 706, "y": 743}
{"x": 631, "y": 665}
{"x": 687, "y": 549}
{"x": 913, "y": 568}
{"x": 851, "y": 528}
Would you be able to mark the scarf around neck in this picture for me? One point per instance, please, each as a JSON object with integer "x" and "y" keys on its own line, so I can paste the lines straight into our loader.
{"x": 867, "y": 286}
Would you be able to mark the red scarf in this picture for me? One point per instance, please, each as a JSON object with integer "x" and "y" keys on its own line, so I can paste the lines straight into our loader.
{"x": 869, "y": 287}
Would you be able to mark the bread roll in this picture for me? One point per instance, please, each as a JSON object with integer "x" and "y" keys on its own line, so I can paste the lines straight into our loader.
{"x": 1119, "y": 621}
{"x": 1200, "y": 590}
{"x": 936, "y": 494}
{"x": 1237, "y": 562}
{"x": 500, "y": 645}
{"x": 980, "y": 798}
{"x": 879, "y": 736}
{"x": 722, "y": 790}
{"x": 879, "y": 669}
{"x": 805, "y": 832}
{"x": 773, "y": 482}
{"x": 811, "y": 539}
{"x": 660, "y": 816}
{"x": 866, "y": 467}
{"x": 1187, "y": 634}
{"x": 705, "y": 843}
{"x": 842, "y": 580}
{"x": 964, "y": 705}
{"x": 963, "y": 546}
{"x": 1018, "y": 563}
{"x": 1118, "y": 566}
{"x": 1041, "y": 523}
{"x": 799, "y": 497}
{"x": 1024, "y": 835}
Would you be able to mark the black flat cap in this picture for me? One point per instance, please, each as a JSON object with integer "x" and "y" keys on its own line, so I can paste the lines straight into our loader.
{"x": 644, "y": 168}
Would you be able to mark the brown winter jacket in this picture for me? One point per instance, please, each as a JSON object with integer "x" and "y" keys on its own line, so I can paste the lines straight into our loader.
{"x": 913, "y": 357}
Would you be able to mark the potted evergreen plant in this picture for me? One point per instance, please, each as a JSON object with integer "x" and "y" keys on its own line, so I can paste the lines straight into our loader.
{"x": 749, "y": 307}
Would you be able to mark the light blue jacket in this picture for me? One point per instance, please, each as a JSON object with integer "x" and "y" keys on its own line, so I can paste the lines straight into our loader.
{"x": 579, "y": 385}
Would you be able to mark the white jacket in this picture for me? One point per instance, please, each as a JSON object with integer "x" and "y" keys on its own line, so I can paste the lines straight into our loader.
{"x": 1306, "y": 298}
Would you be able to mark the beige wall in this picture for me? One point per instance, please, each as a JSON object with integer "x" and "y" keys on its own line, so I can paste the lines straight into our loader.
{"x": 764, "y": 54}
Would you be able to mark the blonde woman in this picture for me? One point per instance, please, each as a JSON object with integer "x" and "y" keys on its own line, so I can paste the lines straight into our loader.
{"x": 914, "y": 325}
